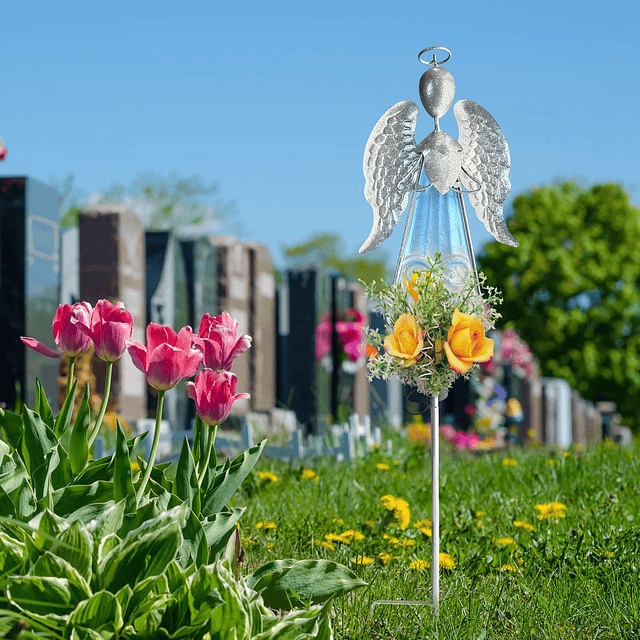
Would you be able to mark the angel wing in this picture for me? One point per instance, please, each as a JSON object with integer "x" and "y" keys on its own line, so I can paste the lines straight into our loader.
{"x": 390, "y": 165}
{"x": 486, "y": 162}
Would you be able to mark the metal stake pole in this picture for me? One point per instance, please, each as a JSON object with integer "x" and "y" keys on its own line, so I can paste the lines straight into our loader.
{"x": 435, "y": 502}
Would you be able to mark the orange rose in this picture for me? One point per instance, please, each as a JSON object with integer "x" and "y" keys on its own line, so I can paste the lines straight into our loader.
{"x": 410, "y": 286}
{"x": 372, "y": 352}
{"x": 466, "y": 343}
{"x": 406, "y": 340}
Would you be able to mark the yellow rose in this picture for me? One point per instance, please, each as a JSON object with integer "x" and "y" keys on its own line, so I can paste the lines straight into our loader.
{"x": 406, "y": 340}
{"x": 466, "y": 343}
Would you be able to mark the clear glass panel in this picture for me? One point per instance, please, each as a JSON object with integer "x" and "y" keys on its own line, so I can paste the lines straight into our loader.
{"x": 437, "y": 224}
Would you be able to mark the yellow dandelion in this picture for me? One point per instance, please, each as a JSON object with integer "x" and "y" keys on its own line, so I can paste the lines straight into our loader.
{"x": 510, "y": 462}
{"x": 270, "y": 545}
{"x": 333, "y": 537}
{"x": 338, "y": 520}
{"x": 523, "y": 525}
{"x": 382, "y": 466}
{"x": 327, "y": 545}
{"x": 508, "y": 567}
{"x": 350, "y": 536}
{"x": 266, "y": 525}
{"x": 396, "y": 463}
{"x": 479, "y": 523}
{"x": 607, "y": 554}
{"x": 385, "y": 558}
{"x": 479, "y": 514}
{"x": 420, "y": 565}
{"x": 308, "y": 474}
{"x": 388, "y": 502}
{"x": 424, "y": 529}
{"x": 551, "y": 510}
{"x": 504, "y": 542}
{"x": 370, "y": 524}
{"x": 267, "y": 476}
{"x": 408, "y": 542}
{"x": 551, "y": 462}
{"x": 362, "y": 560}
{"x": 446, "y": 561}
{"x": 247, "y": 541}
{"x": 566, "y": 454}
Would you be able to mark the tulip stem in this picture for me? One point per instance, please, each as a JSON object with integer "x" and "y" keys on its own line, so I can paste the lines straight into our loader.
{"x": 197, "y": 430}
{"x": 154, "y": 448}
{"x": 211, "y": 436}
{"x": 103, "y": 406}
{"x": 72, "y": 364}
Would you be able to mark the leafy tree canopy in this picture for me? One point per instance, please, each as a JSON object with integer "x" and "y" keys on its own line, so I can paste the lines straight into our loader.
{"x": 172, "y": 203}
{"x": 328, "y": 250}
{"x": 572, "y": 288}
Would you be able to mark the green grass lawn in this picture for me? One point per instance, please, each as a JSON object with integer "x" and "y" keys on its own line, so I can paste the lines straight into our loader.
{"x": 566, "y": 569}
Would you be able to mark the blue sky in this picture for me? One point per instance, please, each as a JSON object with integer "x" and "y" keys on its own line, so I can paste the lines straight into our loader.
{"x": 276, "y": 100}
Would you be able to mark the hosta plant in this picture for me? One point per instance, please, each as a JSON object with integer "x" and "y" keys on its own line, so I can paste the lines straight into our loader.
{"x": 84, "y": 581}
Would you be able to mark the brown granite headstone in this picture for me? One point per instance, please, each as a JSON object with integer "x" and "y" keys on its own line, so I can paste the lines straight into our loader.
{"x": 112, "y": 267}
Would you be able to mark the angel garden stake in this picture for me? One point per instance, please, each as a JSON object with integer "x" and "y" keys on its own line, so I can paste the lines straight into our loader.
{"x": 438, "y": 308}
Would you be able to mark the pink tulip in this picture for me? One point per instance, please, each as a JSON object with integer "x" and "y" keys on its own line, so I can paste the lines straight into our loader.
{"x": 110, "y": 326}
{"x": 69, "y": 338}
{"x": 168, "y": 356}
{"x": 3, "y": 152}
{"x": 214, "y": 392}
{"x": 217, "y": 338}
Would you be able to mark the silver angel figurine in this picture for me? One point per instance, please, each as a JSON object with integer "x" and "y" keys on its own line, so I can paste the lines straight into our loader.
{"x": 394, "y": 166}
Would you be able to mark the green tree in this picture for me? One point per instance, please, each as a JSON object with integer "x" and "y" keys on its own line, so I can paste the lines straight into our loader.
{"x": 328, "y": 250}
{"x": 171, "y": 203}
{"x": 572, "y": 287}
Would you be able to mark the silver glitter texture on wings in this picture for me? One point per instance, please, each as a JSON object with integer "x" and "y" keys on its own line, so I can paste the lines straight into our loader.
{"x": 487, "y": 160}
{"x": 390, "y": 165}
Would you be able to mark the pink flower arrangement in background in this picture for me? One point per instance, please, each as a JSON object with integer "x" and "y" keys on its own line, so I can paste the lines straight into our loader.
{"x": 218, "y": 339}
{"x": 350, "y": 335}
{"x": 168, "y": 356}
{"x": 109, "y": 327}
{"x": 514, "y": 351}
{"x": 69, "y": 338}
{"x": 3, "y": 150}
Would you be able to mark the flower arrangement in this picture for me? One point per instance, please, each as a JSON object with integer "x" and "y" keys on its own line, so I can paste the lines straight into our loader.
{"x": 436, "y": 331}
{"x": 350, "y": 330}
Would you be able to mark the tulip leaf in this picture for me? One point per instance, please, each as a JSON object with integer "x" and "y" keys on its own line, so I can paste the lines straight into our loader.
{"x": 41, "y": 477}
{"x": 43, "y": 409}
{"x": 12, "y": 472}
{"x": 37, "y": 441}
{"x": 186, "y": 482}
{"x": 79, "y": 442}
{"x": 12, "y": 427}
{"x": 227, "y": 482}
{"x": 63, "y": 419}
{"x": 101, "y": 612}
{"x": 75, "y": 496}
{"x": 287, "y": 583}
{"x": 7, "y": 507}
{"x": 24, "y": 500}
{"x": 62, "y": 475}
{"x": 122, "y": 483}
{"x": 194, "y": 542}
{"x": 100, "y": 469}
